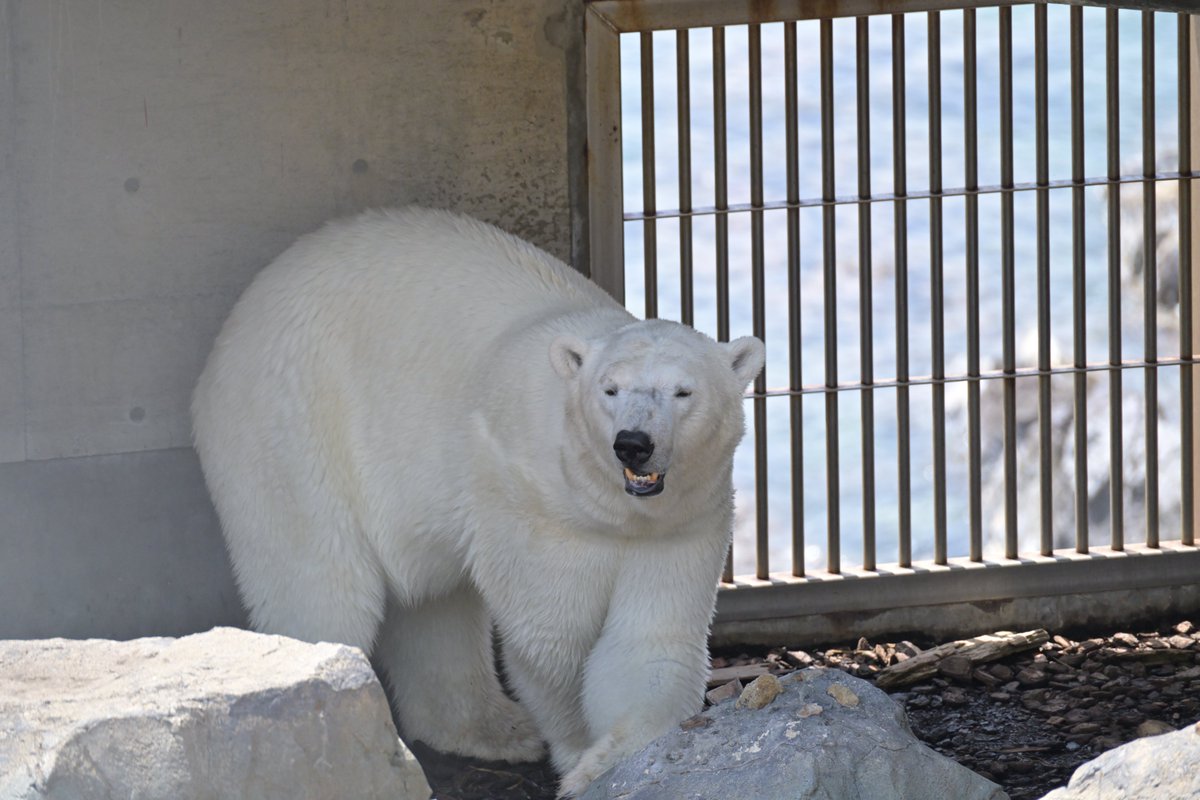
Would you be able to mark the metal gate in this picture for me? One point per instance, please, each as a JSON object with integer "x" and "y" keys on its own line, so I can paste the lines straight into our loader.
{"x": 1034, "y": 438}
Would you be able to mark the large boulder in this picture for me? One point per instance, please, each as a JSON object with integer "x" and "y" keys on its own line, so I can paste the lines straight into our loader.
{"x": 1160, "y": 767}
{"x": 226, "y": 713}
{"x": 825, "y": 736}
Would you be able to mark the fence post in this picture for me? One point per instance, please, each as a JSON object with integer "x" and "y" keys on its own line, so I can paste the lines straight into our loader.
{"x": 1194, "y": 222}
{"x": 606, "y": 234}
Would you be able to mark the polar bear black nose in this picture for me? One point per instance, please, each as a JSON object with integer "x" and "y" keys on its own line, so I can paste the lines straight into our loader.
{"x": 633, "y": 448}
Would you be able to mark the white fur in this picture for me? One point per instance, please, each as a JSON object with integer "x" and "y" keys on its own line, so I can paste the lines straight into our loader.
{"x": 408, "y": 409}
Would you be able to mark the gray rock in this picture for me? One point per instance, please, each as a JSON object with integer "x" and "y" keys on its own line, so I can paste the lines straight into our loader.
{"x": 859, "y": 745}
{"x": 226, "y": 713}
{"x": 1152, "y": 768}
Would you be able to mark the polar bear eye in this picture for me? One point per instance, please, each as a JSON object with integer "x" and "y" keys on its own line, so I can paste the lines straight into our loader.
{"x": 683, "y": 393}
{"x": 611, "y": 392}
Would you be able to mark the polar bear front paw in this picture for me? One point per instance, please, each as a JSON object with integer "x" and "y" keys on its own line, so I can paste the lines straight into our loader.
{"x": 573, "y": 785}
{"x": 592, "y": 765}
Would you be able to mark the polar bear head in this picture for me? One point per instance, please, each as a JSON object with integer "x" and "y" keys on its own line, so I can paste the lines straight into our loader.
{"x": 655, "y": 394}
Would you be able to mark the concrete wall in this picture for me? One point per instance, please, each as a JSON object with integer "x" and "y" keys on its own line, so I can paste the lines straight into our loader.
{"x": 153, "y": 157}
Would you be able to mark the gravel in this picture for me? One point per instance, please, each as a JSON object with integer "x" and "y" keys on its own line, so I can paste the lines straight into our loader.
{"x": 1029, "y": 720}
{"x": 1026, "y": 721}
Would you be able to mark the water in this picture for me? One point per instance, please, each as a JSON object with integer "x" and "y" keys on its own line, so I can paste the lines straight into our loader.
{"x": 918, "y": 254}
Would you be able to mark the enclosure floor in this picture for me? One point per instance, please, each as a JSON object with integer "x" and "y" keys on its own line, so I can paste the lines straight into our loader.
{"x": 1027, "y": 723}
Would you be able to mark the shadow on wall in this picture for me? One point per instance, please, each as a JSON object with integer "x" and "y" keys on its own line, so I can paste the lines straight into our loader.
{"x": 132, "y": 549}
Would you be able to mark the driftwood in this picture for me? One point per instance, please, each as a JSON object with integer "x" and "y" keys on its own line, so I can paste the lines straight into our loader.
{"x": 979, "y": 650}
{"x": 745, "y": 672}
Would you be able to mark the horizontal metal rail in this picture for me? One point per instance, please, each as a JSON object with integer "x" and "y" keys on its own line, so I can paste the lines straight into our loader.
{"x": 996, "y": 375}
{"x": 962, "y": 597}
{"x": 959, "y": 580}
{"x": 625, "y": 16}
{"x": 884, "y": 197}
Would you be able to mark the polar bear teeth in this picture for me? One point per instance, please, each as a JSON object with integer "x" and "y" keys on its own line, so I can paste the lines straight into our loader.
{"x": 635, "y": 478}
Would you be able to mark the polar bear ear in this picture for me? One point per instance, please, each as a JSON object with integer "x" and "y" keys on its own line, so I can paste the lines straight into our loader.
{"x": 746, "y": 356}
{"x": 567, "y": 354}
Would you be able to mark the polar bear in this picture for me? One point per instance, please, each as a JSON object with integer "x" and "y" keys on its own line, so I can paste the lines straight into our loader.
{"x": 416, "y": 427}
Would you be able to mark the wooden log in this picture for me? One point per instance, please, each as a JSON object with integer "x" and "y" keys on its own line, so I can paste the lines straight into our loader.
{"x": 745, "y": 672}
{"x": 979, "y": 650}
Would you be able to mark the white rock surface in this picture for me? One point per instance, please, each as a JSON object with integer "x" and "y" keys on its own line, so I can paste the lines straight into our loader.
{"x": 222, "y": 714}
{"x": 1164, "y": 767}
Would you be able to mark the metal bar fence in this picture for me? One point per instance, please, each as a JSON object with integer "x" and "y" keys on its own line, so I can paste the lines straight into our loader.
{"x": 1116, "y": 457}
{"x": 936, "y": 280}
{"x": 795, "y": 361}
{"x": 757, "y": 272}
{"x": 900, "y": 237}
{"x": 1184, "y": 45}
{"x": 721, "y": 198}
{"x": 649, "y": 199}
{"x": 1008, "y": 286}
{"x": 948, "y": 538}
{"x": 829, "y": 242}
{"x": 1045, "y": 435}
{"x": 866, "y": 304}
{"x": 1079, "y": 283}
{"x": 971, "y": 172}
{"x": 684, "y": 106}
{"x": 1150, "y": 279}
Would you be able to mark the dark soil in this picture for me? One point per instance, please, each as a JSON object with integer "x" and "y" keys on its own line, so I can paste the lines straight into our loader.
{"x": 457, "y": 778}
{"x": 1008, "y": 744}
{"x": 1026, "y": 721}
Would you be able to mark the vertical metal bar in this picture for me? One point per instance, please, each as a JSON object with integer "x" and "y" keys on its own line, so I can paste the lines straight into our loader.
{"x": 971, "y": 149}
{"x": 721, "y": 199}
{"x": 899, "y": 135}
{"x": 1150, "y": 277}
{"x": 757, "y": 270}
{"x": 1079, "y": 282}
{"x": 650, "y": 236}
{"x": 1116, "y": 480}
{"x": 866, "y": 309}
{"x": 721, "y": 182}
{"x": 1185, "y": 279}
{"x": 683, "y": 82}
{"x": 1045, "y": 434}
{"x": 795, "y": 351}
{"x": 833, "y": 501}
{"x": 606, "y": 231}
{"x": 1008, "y": 285}
{"x": 937, "y": 310}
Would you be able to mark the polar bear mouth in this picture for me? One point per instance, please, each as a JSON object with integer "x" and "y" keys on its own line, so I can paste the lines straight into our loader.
{"x": 643, "y": 485}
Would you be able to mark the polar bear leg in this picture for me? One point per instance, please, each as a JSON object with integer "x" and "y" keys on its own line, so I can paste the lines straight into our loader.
{"x": 300, "y": 566}
{"x": 438, "y": 660}
{"x": 550, "y": 689}
{"x": 647, "y": 671}
{"x": 321, "y": 606}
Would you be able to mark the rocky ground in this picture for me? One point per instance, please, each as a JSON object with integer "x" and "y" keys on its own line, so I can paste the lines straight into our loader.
{"x": 1029, "y": 720}
{"x": 1026, "y": 720}
{"x": 455, "y": 778}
